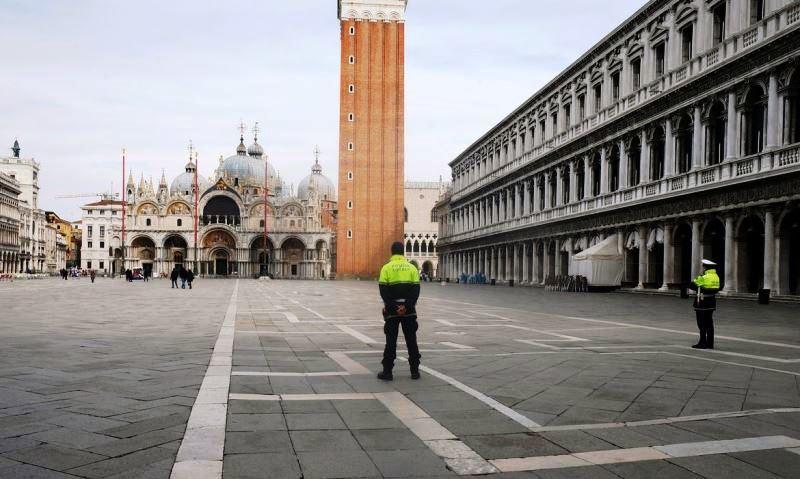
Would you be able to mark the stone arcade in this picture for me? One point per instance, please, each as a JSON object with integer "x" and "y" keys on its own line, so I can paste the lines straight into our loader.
{"x": 679, "y": 132}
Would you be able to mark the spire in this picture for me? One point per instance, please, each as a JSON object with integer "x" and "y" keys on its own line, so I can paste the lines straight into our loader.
{"x": 130, "y": 179}
{"x": 317, "y": 168}
{"x": 241, "y": 149}
{"x": 191, "y": 150}
{"x": 163, "y": 183}
{"x": 255, "y": 133}
{"x": 15, "y": 149}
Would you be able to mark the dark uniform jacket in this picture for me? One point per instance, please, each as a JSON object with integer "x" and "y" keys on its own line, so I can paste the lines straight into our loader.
{"x": 399, "y": 285}
{"x": 707, "y": 287}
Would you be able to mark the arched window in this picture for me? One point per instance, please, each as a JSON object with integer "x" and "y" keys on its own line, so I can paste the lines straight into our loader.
{"x": 408, "y": 246}
{"x": 613, "y": 169}
{"x": 580, "y": 176}
{"x": 683, "y": 142}
{"x": 148, "y": 222}
{"x": 715, "y": 134}
{"x": 754, "y": 116}
{"x": 416, "y": 247}
{"x": 541, "y": 192}
{"x": 596, "y": 170}
{"x": 180, "y": 222}
{"x": 791, "y": 111}
{"x": 565, "y": 185}
{"x": 657, "y": 148}
{"x": 634, "y": 161}
{"x": 424, "y": 247}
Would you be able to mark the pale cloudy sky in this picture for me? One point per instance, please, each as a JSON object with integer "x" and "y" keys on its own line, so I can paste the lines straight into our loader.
{"x": 81, "y": 79}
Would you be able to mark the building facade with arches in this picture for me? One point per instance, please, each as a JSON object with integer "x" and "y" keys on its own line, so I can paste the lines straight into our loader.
{"x": 231, "y": 221}
{"x": 678, "y": 134}
{"x": 421, "y": 229}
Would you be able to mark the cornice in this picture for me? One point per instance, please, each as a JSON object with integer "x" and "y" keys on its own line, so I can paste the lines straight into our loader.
{"x": 373, "y": 10}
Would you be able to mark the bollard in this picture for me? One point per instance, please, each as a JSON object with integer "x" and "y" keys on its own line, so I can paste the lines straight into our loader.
{"x": 763, "y": 296}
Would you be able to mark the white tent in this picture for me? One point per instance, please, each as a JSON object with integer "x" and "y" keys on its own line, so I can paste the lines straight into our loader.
{"x": 601, "y": 264}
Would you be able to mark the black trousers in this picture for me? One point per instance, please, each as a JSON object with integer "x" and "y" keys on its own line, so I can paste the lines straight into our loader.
{"x": 391, "y": 327}
{"x": 705, "y": 323}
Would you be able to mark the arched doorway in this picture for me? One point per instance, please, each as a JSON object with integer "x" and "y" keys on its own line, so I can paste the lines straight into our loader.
{"x": 682, "y": 244}
{"x": 220, "y": 262}
{"x": 427, "y": 268}
{"x": 789, "y": 253}
{"x": 293, "y": 255}
{"x": 655, "y": 257}
{"x": 750, "y": 254}
{"x": 634, "y": 161}
{"x": 144, "y": 250}
{"x": 175, "y": 252}
{"x": 220, "y": 245}
{"x": 551, "y": 259}
{"x": 261, "y": 260}
{"x": 714, "y": 246}
{"x": 632, "y": 246}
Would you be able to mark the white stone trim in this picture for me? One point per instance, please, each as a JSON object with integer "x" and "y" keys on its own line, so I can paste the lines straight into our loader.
{"x": 373, "y": 10}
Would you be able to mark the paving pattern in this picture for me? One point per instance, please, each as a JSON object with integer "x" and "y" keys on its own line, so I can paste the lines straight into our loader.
{"x": 242, "y": 379}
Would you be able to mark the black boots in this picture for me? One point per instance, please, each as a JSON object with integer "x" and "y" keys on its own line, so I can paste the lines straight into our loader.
{"x": 414, "y": 373}
{"x": 385, "y": 375}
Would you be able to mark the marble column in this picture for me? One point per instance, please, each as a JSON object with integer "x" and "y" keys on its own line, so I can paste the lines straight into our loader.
{"x": 696, "y": 248}
{"x": 644, "y": 167}
{"x": 546, "y": 263}
{"x": 492, "y": 272}
{"x": 642, "y": 257}
{"x": 537, "y": 272}
{"x": 774, "y": 128}
{"x": 669, "y": 257}
{"x": 731, "y": 128}
{"x": 516, "y": 263}
{"x": 587, "y": 177}
{"x": 525, "y": 263}
{"x": 623, "y": 166}
{"x": 536, "y": 200}
{"x": 517, "y": 201}
{"x": 603, "y": 171}
{"x": 508, "y": 271}
{"x": 769, "y": 250}
{"x": 669, "y": 150}
{"x": 730, "y": 277}
{"x": 547, "y": 187}
{"x": 573, "y": 182}
{"x": 697, "y": 139}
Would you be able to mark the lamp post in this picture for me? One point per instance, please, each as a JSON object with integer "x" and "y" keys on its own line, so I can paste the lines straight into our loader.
{"x": 266, "y": 197}
{"x": 122, "y": 269}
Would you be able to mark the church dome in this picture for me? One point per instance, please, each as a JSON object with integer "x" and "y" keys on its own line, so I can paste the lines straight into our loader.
{"x": 325, "y": 187}
{"x": 255, "y": 149}
{"x": 183, "y": 184}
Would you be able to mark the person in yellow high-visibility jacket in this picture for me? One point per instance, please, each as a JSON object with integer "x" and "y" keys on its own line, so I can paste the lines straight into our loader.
{"x": 705, "y": 303}
{"x": 399, "y": 288}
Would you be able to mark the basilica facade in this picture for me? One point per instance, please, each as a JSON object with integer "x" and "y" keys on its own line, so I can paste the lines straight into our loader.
{"x": 675, "y": 138}
{"x": 230, "y": 212}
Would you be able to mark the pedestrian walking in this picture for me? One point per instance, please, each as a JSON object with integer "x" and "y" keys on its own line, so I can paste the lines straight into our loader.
{"x": 174, "y": 276}
{"x": 182, "y": 274}
{"x": 189, "y": 278}
{"x": 399, "y": 289}
{"x": 92, "y": 275}
{"x": 705, "y": 303}
{"x": 128, "y": 276}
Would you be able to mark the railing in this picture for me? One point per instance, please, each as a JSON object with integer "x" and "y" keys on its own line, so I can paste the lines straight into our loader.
{"x": 731, "y": 47}
{"x": 787, "y": 157}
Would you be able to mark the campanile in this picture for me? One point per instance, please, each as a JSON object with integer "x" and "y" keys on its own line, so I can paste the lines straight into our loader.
{"x": 371, "y": 132}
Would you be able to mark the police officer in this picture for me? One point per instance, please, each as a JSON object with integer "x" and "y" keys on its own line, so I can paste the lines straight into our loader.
{"x": 399, "y": 288}
{"x": 705, "y": 303}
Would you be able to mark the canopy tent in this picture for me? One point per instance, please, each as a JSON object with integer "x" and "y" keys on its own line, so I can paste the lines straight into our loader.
{"x": 656, "y": 236}
{"x": 601, "y": 264}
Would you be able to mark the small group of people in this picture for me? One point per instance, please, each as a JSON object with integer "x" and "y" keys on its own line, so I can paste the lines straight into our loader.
{"x": 65, "y": 273}
{"x": 186, "y": 276}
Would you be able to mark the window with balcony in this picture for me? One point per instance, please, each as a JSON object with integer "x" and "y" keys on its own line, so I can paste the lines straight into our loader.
{"x": 757, "y": 10}
{"x": 683, "y": 143}
{"x": 596, "y": 171}
{"x": 580, "y": 177}
{"x": 581, "y": 107}
{"x": 718, "y": 13}
{"x": 598, "y": 97}
{"x": 636, "y": 73}
{"x": 754, "y": 118}
{"x": 660, "y": 58}
{"x": 555, "y": 124}
{"x": 613, "y": 169}
{"x": 615, "y": 86}
{"x": 687, "y": 43}
{"x": 634, "y": 161}
{"x": 715, "y": 134}
{"x": 541, "y": 131}
{"x": 657, "y": 153}
{"x": 568, "y": 115}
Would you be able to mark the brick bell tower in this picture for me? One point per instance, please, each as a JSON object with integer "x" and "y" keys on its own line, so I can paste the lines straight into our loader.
{"x": 371, "y": 133}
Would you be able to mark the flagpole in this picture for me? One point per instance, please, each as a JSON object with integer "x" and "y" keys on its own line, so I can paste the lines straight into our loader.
{"x": 196, "y": 217}
{"x": 266, "y": 198}
{"x": 124, "y": 186}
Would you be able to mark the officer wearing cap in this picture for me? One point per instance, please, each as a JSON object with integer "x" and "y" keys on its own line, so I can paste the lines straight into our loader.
{"x": 705, "y": 303}
{"x": 399, "y": 288}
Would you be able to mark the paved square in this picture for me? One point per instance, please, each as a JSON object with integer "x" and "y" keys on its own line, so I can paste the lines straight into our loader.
{"x": 242, "y": 378}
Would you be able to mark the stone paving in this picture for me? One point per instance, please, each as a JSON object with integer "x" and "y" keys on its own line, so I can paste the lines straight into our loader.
{"x": 245, "y": 379}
